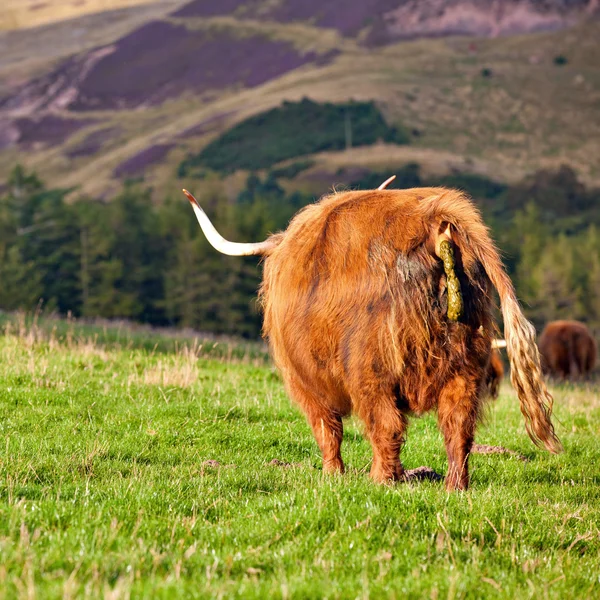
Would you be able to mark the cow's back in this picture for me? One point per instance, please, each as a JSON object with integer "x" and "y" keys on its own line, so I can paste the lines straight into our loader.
{"x": 328, "y": 279}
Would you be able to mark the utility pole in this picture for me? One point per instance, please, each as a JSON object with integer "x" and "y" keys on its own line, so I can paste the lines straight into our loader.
{"x": 85, "y": 276}
{"x": 348, "y": 129}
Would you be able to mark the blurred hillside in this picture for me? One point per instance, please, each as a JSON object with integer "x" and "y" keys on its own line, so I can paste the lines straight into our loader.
{"x": 109, "y": 90}
{"x": 22, "y": 14}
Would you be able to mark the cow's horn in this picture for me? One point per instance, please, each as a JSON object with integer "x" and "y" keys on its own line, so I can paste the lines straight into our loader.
{"x": 498, "y": 343}
{"x": 386, "y": 182}
{"x": 219, "y": 242}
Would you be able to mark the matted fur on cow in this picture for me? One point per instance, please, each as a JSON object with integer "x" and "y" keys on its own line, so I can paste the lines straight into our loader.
{"x": 356, "y": 315}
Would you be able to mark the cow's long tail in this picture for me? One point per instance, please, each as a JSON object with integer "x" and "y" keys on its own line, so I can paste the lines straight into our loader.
{"x": 526, "y": 374}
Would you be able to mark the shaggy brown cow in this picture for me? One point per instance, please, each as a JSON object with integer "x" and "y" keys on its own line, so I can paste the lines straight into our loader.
{"x": 362, "y": 315}
{"x": 568, "y": 349}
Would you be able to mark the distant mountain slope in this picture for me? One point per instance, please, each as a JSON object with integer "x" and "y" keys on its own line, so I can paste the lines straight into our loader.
{"x": 157, "y": 61}
{"x": 387, "y": 20}
{"x": 22, "y": 14}
{"x": 30, "y": 51}
{"x": 94, "y": 100}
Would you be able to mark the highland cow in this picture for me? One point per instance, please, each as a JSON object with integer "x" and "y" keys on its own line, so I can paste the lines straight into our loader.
{"x": 378, "y": 303}
{"x": 568, "y": 350}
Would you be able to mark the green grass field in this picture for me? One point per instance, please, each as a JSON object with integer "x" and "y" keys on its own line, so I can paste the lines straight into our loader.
{"x": 128, "y": 471}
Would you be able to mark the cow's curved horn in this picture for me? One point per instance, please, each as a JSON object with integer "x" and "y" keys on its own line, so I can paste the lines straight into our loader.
{"x": 498, "y": 343}
{"x": 386, "y": 182}
{"x": 219, "y": 242}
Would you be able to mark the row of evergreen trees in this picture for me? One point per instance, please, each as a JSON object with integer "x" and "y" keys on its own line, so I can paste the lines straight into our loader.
{"x": 128, "y": 258}
{"x": 557, "y": 275}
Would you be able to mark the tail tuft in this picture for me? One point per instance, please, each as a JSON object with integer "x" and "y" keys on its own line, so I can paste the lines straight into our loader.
{"x": 526, "y": 377}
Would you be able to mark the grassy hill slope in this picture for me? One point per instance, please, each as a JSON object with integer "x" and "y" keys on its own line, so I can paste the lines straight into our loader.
{"x": 23, "y": 14}
{"x": 501, "y": 107}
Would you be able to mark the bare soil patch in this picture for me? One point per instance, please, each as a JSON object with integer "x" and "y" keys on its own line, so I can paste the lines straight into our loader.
{"x": 422, "y": 474}
{"x": 484, "y": 449}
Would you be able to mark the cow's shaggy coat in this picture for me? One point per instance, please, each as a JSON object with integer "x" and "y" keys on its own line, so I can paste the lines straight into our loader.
{"x": 568, "y": 349}
{"x": 355, "y": 306}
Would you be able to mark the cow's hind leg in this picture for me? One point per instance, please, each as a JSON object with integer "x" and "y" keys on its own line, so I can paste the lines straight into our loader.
{"x": 326, "y": 424}
{"x": 457, "y": 415}
{"x": 386, "y": 428}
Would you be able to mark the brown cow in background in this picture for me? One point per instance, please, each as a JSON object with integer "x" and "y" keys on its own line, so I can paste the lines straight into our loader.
{"x": 568, "y": 349}
{"x": 378, "y": 303}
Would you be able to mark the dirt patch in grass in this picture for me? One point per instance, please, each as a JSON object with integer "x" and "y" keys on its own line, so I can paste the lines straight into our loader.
{"x": 281, "y": 463}
{"x": 422, "y": 474}
{"x": 484, "y": 449}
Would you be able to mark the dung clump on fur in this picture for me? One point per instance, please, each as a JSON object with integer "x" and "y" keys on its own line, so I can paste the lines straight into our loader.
{"x": 455, "y": 300}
